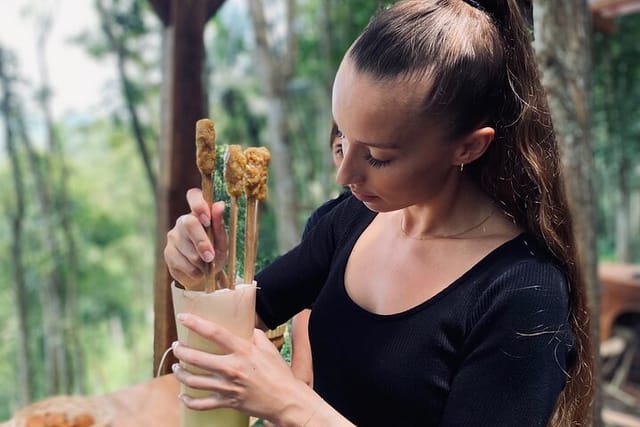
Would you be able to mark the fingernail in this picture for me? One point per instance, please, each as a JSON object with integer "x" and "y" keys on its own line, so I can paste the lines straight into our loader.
{"x": 174, "y": 367}
{"x": 180, "y": 317}
{"x": 205, "y": 220}
{"x": 175, "y": 343}
{"x": 208, "y": 256}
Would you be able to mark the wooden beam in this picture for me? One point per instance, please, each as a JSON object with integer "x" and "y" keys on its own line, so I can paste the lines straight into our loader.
{"x": 604, "y": 13}
{"x": 603, "y": 24}
{"x": 183, "y": 103}
{"x": 614, "y": 8}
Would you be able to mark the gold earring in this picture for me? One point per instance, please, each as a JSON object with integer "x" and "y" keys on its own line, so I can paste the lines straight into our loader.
{"x": 461, "y": 167}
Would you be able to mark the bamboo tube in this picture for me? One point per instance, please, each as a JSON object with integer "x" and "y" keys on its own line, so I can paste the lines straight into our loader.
{"x": 234, "y": 166}
{"x": 256, "y": 173}
{"x": 206, "y": 161}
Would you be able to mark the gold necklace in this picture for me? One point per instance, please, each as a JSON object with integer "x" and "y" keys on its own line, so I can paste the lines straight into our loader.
{"x": 447, "y": 236}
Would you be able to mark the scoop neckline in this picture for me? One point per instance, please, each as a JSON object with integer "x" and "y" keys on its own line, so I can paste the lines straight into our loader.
{"x": 441, "y": 294}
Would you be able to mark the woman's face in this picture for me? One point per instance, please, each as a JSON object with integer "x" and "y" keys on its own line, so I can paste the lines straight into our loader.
{"x": 393, "y": 157}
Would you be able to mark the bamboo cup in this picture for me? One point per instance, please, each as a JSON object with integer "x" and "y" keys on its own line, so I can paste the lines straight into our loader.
{"x": 233, "y": 309}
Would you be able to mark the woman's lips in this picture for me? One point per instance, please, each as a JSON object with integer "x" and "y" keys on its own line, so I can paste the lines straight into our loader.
{"x": 363, "y": 197}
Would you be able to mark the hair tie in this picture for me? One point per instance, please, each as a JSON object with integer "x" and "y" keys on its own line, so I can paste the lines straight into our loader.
{"x": 474, "y": 3}
{"x": 499, "y": 11}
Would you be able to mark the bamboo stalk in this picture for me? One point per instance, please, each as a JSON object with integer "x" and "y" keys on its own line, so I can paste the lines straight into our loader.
{"x": 235, "y": 163}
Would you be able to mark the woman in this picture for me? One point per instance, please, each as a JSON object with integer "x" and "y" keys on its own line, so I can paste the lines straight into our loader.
{"x": 448, "y": 293}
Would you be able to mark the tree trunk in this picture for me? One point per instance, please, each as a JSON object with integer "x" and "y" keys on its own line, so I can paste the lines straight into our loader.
{"x": 276, "y": 70}
{"x": 117, "y": 45}
{"x": 183, "y": 103}
{"x": 623, "y": 213}
{"x": 24, "y": 359}
{"x": 563, "y": 47}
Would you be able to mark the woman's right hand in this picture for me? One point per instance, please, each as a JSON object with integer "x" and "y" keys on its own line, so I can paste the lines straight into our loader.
{"x": 188, "y": 247}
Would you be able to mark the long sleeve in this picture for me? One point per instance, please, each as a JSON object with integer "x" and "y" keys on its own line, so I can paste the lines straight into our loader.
{"x": 292, "y": 282}
{"x": 516, "y": 353}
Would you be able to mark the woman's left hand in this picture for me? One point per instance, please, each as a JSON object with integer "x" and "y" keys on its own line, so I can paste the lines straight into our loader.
{"x": 252, "y": 377}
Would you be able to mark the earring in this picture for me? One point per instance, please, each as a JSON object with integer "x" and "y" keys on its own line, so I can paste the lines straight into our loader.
{"x": 461, "y": 167}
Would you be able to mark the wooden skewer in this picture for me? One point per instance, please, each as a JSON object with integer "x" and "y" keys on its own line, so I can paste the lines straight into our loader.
{"x": 234, "y": 168}
{"x": 251, "y": 239}
{"x": 256, "y": 190}
{"x": 233, "y": 231}
{"x": 206, "y": 161}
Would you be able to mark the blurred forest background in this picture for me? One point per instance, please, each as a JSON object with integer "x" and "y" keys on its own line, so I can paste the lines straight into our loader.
{"x": 78, "y": 191}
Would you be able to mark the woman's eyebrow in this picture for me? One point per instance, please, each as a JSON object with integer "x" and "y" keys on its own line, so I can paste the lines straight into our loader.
{"x": 380, "y": 145}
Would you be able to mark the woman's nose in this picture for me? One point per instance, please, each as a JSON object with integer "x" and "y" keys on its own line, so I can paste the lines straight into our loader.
{"x": 351, "y": 170}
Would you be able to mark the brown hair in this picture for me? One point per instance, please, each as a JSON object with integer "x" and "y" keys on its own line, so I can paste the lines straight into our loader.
{"x": 481, "y": 71}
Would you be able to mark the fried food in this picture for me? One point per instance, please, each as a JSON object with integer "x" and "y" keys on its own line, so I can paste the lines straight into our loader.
{"x": 36, "y": 421}
{"x": 83, "y": 420}
{"x": 206, "y": 162}
{"x": 59, "y": 419}
{"x": 205, "y": 146}
{"x": 234, "y": 168}
{"x": 256, "y": 172}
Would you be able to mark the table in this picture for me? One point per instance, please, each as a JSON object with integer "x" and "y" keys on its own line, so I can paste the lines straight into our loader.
{"x": 151, "y": 403}
{"x": 620, "y": 293}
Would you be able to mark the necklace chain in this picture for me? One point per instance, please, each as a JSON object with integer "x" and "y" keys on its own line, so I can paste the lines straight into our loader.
{"x": 447, "y": 236}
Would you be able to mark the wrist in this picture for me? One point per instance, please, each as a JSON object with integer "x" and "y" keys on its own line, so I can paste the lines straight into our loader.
{"x": 308, "y": 409}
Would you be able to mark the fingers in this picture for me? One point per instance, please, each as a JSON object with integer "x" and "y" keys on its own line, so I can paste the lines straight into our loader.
{"x": 181, "y": 268}
{"x": 203, "y": 403}
{"x": 217, "y": 334}
{"x": 199, "y": 207}
{"x": 223, "y": 393}
{"x": 187, "y": 250}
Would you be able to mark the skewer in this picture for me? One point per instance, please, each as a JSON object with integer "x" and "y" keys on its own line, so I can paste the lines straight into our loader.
{"x": 234, "y": 166}
{"x": 206, "y": 161}
{"x": 256, "y": 190}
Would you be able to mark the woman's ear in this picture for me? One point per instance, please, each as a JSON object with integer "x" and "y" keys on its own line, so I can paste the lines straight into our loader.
{"x": 472, "y": 146}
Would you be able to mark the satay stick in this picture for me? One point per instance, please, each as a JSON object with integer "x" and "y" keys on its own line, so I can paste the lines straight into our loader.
{"x": 206, "y": 161}
{"x": 256, "y": 190}
{"x": 234, "y": 166}
{"x": 251, "y": 239}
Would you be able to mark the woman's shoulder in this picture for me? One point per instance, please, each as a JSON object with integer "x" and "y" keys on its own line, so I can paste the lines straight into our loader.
{"x": 522, "y": 251}
{"x": 522, "y": 276}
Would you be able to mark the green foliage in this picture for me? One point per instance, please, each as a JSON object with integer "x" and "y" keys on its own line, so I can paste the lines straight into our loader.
{"x": 113, "y": 211}
{"x": 616, "y": 126}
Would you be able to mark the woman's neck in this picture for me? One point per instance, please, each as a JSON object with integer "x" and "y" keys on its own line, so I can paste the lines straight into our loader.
{"x": 454, "y": 214}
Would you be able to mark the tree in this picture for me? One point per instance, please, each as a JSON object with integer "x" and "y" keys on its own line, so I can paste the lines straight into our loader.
{"x": 616, "y": 114}
{"x": 122, "y": 24}
{"x": 59, "y": 177}
{"x": 25, "y": 369}
{"x": 276, "y": 62}
{"x": 562, "y": 45}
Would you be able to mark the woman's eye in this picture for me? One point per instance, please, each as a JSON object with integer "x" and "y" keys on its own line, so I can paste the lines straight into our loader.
{"x": 338, "y": 133}
{"x": 375, "y": 162}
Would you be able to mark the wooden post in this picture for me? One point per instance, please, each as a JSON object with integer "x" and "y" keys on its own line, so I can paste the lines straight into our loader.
{"x": 183, "y": 103}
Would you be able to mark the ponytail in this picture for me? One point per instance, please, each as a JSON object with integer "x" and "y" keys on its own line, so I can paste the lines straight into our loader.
{"x": 478, "y": 58}
{"x": 545, "y": 210}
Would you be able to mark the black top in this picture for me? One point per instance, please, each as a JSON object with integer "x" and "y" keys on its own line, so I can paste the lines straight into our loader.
{"x": 322, "y": 211}
{"x": 491, "y": 349}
